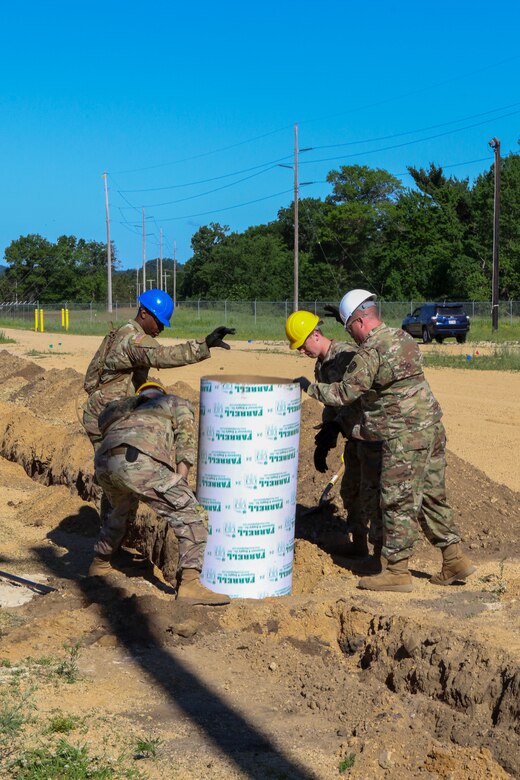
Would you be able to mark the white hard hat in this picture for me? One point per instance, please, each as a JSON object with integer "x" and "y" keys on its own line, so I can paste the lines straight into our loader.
{"x": 352, "y": 301}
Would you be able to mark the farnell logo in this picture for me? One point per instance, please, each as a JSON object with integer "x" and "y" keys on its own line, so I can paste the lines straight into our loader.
{"x": 210, "y": 504}
{"x": 236, "y": 578}
{"x": 233, "y": 434}
{"x": 229, "y": 458}
{"x": 256, "y": 529}
{"x": 265, "y": 505}
{"x": 243, "y": 410}
{"x": 291, "y": 429}
{"x": 278, "y": 456}
{"x": 246, "y": 554}
{"x": 253, "y": 388}
{"x": 215, "y": 481}
{"x": 273, "y": 480}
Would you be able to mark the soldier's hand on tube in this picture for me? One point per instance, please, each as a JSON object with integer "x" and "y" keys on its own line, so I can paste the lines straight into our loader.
{"x": 215, "y": 338}
{"x": 333, "y": 311}
{"x": 303, "y": 382}
{"x": 320, "y": 459}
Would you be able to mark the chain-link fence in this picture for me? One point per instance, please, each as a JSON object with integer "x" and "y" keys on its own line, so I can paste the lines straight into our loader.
{"x": 263, "y": 319}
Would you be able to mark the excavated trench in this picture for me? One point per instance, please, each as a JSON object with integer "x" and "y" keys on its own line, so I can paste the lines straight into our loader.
{"x": 467, "y": 692}
{"x": 462, "y": 690}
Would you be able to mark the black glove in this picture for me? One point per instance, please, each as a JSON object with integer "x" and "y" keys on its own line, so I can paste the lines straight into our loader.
{"x": 214, "y": 339}
{"x": 325, "y": 440}
{"x": 333, "y": 311}
{"x": 303, "y": 382}
{"x": 320, "y": 459}
{"x": 327, "y": 436}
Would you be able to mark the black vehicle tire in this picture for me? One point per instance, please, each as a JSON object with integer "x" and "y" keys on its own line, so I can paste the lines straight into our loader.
{"x": 461, "y": 339}
{"x": 426, "y": 336}
{"x": 439, "y": 339}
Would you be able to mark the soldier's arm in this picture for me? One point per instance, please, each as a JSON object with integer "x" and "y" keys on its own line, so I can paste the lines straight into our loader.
{"x": 144, "y": 351}
{"x": 184, "y": 430}
{"x": 357, "y": 380}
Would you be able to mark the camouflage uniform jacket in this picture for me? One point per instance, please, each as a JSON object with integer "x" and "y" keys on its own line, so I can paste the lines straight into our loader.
{"x": 121, "y": 365}
{"x": 387, "y": 376}
{"x": 332, "y": 369}
{"x": 151, "y": 425}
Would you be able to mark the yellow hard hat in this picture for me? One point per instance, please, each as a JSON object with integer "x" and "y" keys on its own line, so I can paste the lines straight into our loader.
{"x": 147, "y": 385}
{"x": 299, "y": 326}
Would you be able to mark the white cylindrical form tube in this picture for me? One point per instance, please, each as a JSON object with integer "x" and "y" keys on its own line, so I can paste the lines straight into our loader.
{"x": 247, "y": 475}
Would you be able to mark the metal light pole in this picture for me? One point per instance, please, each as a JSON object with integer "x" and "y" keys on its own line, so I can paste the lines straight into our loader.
{"x": 495, "y": 145}
{"x": 109, "y": 249}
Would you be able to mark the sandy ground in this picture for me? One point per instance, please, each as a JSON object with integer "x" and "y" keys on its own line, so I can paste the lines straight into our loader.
{"x": 420, "y": 685}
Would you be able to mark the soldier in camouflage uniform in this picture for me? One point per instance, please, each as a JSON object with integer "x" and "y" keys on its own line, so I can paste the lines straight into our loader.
{"x": 360, "y": 486}
{"x": 399, "y": 409}
{"x": 122, "y": 362}
{"x": 134, "y": 463}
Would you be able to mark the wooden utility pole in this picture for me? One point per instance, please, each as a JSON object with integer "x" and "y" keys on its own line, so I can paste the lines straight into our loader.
{"x": 109, "y": 249}
{"x": 175, "y": 273}
{"x": 144, "y": 255}
{"x": 296, "y": 237}
{"x": 495, "y": 145}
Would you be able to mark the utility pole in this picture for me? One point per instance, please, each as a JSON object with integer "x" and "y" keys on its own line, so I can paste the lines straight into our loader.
{"x": 159, "y": 275}
{"x": 175, "y": 273}
{"x": 137, "y": 282}
{"x": 296, "y": 237}
{"x": 109, "y": 248}
{"x": 144, "y": 255}
{"x": 495, "y": 145}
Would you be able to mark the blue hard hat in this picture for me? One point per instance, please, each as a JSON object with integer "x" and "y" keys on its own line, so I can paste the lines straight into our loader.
{"x": 158, "y": 303}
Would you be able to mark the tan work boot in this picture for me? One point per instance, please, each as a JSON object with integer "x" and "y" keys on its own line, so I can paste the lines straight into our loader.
{"x": 394, "y": 577}
{"x": 192, "y": 591}
{"x": 455, "y": 566}
{"x": 100, "y": 566}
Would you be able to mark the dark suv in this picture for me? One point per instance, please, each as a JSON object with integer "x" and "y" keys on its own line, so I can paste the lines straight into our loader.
{"x": 437, "y": 321}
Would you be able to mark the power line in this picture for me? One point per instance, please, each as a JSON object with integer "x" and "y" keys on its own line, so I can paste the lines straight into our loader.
{"x": 208, "y": 192}
{"x": 271, "y": 163}
{"x": 409, "y": 143}
{"x": 227, "y": 208}
{"x": 419, "y": 130}
{"x": 204, "y": 154}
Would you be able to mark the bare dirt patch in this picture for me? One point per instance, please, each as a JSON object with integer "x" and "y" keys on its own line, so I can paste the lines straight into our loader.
{"x": 410, "y": 685}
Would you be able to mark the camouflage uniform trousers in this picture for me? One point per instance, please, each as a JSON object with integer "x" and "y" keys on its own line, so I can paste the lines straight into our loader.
{"x": 97, "y": 491}
{"x": 361, "y": 488}
{"x": 166, "y": 492}
{"x": 413, "y": 493}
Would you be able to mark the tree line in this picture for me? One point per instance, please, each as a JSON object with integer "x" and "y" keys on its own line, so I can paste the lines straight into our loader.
{"x": 433, "y": 240}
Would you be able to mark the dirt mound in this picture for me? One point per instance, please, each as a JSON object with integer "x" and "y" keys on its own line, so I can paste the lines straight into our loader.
{"x": 54, "y": 395}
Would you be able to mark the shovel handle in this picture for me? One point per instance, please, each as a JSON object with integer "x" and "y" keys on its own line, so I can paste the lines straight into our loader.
{"x": 39, "y": 586}
{"x": 332, "y": 481}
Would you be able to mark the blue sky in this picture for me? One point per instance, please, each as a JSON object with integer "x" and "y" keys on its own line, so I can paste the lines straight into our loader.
{"x": 174, "y": 101}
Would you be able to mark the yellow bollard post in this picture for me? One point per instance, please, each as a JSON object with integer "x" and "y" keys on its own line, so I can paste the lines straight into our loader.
{"x": 41, "y": 321}
{"x": 66, "y": 319}
{"x": 36, "y": 318}
{"x": 63, "y": 318}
